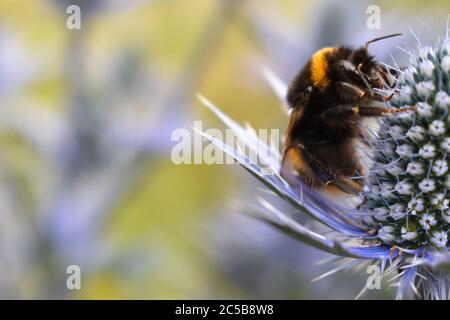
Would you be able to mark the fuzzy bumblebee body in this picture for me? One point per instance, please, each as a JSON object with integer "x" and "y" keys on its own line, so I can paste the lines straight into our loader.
{"x": 329, "y": 97}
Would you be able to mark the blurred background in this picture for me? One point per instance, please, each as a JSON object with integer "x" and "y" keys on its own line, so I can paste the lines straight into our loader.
{"x": 86, "y": 118}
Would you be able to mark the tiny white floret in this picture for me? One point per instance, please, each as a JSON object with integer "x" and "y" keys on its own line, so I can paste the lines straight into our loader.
{"x": 427, "y": 185}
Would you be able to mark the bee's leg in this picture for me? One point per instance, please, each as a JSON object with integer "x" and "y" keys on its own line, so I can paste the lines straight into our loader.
{"x": 380, "y": 98}
{"x": 348, "y": 66}
{"x": 349, "y": 92}
{"x": 363, "y": 111}
{"x": 347, "y": 185}
{"x": 366, "y": 111}
{"x": 358, "y": 94}
{"x": 384, "y": 77}
{"x": 340, "y": 110}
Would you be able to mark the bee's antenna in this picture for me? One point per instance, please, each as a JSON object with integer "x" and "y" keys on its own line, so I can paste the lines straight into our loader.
{"x": 366, "y": 46}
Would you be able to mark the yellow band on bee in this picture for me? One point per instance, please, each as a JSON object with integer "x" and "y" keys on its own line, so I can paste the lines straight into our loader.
{"x": 319, "y": 66}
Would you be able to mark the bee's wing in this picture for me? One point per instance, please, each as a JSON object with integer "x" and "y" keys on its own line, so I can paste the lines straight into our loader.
{"x": 294, "y": 171}
{"x": 299, "y": 166}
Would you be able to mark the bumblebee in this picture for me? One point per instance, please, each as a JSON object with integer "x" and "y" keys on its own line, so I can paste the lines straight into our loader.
{"x": 328, "y": 99}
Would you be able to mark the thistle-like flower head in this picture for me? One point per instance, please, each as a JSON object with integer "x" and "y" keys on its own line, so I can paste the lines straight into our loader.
{"x": 403, "y": 223}
{"x": 408, "y": 187}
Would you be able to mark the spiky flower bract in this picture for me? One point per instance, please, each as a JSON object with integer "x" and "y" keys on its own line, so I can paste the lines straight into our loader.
{"x": 408, "y": 187}
{"x": 404, "y": 218}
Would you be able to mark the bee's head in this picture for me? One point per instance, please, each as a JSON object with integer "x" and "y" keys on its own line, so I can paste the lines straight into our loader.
{"x": 363, "y": 60}
{"x": 337, "y": 64}
{"x": 359, "y": 67}
{"x": 374, "y": 72}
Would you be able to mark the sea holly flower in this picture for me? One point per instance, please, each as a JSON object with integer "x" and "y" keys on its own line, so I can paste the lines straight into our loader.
{"x": 386, "y": 190}
{"x": 416, "y": 205}
{"x": 427, "y": 185}
{"x": 404, "y": 188}
{"x": 445, "y": 144}
{"x": 426, "y": 67}
{"x": 408, "y": 235}
{"x": 405, "y": 150}
{"x": 395, "y": 170}
{"x": 437, "y": 128}
{"x": 415, "y": 168}
{"x": 402, "y": 220}
{"x": 387, "y": 234}
{"x": 396, "y": 132}
{"x": 428, "y": 151}
{"x": 427, "y": 221}
{"x": 425, "y": 89}
{"x": 416, "y": 133}
{"x": 381, "y": 213}
{"x": 442, "y": 100}
{"x": 425, "y": 175}
{"x": 409, "y": 74}
{"x": 397, "y": 211}
{"x": 440, "y": 167}
{"x": 405, "y": 95}
{"x": 439, "y": 239}
{"x": 424, "y": 109}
